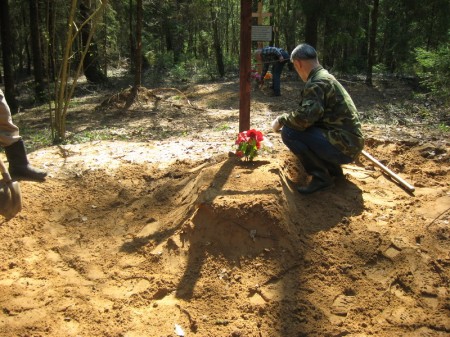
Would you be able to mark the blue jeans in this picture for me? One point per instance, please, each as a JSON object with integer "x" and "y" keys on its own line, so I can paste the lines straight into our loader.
{"x": 312, "y": 139}
{"x": 277, "y": 68}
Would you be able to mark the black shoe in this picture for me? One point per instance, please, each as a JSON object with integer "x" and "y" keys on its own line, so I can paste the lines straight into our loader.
{"x": 315, "y": 185}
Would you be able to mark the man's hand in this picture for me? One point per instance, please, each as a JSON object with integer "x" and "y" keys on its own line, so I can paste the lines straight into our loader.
{"x": 276, "y": 125}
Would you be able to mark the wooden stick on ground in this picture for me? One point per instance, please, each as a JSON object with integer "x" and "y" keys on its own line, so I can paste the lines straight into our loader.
{"x": 402, "y": 182}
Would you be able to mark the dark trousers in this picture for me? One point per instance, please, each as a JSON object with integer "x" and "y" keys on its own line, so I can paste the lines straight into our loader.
{"x": 277, "y": 69}
{"x": 312, "y": 139}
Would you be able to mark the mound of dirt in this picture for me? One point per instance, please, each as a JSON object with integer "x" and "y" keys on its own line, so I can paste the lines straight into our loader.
{"x": 159, "y": 232}
{"x": 122, "y": 240}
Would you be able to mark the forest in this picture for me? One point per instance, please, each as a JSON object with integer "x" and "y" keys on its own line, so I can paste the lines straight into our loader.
{"x": 199, "y": 40}
{"x": 148, "y": 223}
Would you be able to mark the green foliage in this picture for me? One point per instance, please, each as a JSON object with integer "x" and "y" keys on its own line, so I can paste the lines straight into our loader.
{"x": 161, "y": 60}
{"x": 248, "y": 149}
{"x": 109, "y": 32}
{"x": 444, "y": 127}
{"x": 222, "y": 127}
{"x": 178, "y": 36}
{"x": 89, "y": 136}
{"x": 36, "y": 139}
{"x": 380, "y": 68}
{"x": 180, "y": 72}
{"x": 434, "y": 70}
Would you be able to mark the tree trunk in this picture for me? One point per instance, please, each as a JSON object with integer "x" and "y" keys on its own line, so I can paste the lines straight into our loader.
{"x": 36, "y": 50}
{"x": 137, "y": 57}
{"x": 217, "y": 44}
{"x": 91, "y": 64}
{"x": 273, "y": 41}
{"x": 64, "y": 88}
{"x": 328, "y": 54}
{"x": 138, "y": 54}
{"x": 51, "y": 50}
{"x": 24, "y": 38}
{"x": 288, "y": 21}
{"x": 312, "y": 10}
{"x": 5, "y": 34}
{"x": 372, "y": 38}
{"x": 131, "y": 36}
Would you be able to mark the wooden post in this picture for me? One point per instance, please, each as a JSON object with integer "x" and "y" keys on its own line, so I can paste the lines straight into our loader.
{"x": 260, "y": 20}
{"x": 245, "y": 65}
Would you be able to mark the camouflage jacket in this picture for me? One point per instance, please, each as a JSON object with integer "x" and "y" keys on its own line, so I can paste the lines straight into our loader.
{"x": 327, "y": 105}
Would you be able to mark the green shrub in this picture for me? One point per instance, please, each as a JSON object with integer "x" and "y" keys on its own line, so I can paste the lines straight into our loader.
{"x": 435, "y": 70}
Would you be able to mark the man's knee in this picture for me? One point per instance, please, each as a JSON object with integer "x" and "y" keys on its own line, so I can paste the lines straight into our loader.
{"x": 288, "y": 136}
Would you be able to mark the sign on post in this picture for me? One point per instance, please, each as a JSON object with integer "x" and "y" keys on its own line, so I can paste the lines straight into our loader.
{"x": 261, "y": 33}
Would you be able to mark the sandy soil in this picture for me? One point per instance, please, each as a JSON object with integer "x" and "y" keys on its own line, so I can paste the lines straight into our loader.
{"x": 162, "y": 233}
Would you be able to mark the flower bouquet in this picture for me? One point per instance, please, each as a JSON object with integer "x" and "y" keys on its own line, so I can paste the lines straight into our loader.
{"x": 248, "y": 143}
{"x": 255, "y": 75}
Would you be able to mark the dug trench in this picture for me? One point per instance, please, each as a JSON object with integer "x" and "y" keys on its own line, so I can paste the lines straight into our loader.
{"x": 123, "y": 244}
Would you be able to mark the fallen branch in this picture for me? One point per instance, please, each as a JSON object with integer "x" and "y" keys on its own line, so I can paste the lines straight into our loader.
{"x": 393, "y": 175}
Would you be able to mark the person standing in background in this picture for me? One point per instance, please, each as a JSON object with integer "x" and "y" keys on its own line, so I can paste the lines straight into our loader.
{"x": 277, "y": 57}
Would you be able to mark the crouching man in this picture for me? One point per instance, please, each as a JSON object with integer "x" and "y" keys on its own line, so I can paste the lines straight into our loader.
{"x": 325, "y": 131}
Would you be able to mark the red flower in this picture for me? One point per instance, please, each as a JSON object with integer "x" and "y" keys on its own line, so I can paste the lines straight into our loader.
{"x": 242, "y": 137}
{"x": 248, "y": 144}
{"x": 255, "y": 134}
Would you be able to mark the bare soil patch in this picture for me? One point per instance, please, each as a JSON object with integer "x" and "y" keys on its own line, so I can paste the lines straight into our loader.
{"x": 159, "y": 228}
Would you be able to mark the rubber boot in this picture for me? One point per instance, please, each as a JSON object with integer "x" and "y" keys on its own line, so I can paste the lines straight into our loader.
{"x": 335, "y": 170}
{"x": 321, "y": 179}
{"x": 19, "y": 167}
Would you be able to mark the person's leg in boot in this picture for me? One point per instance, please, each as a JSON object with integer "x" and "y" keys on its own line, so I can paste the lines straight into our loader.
{"x": 11, "y": 141}
{"x": 334, "y": 169}
{"x": 314, "y": 139}
{"x": 321, "y": 179}
{"x": 313, "y": 165}
{"x": 19, "y": 166}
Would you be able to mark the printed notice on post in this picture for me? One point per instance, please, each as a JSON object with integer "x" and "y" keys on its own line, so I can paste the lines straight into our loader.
{"x": 261, "y": 33}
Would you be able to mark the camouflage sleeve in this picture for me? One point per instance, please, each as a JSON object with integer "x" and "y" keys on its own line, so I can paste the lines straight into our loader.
{"x": 327, "y": 105}
{"x": 311, "y": 108}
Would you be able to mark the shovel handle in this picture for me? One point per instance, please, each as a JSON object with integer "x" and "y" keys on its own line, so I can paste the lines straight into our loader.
{"x": 393, "y": 175}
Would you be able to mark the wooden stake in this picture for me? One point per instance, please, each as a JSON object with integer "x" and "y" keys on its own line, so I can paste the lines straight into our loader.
{"x": 402, "y": 182}
{"x": 245, "y": 65}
